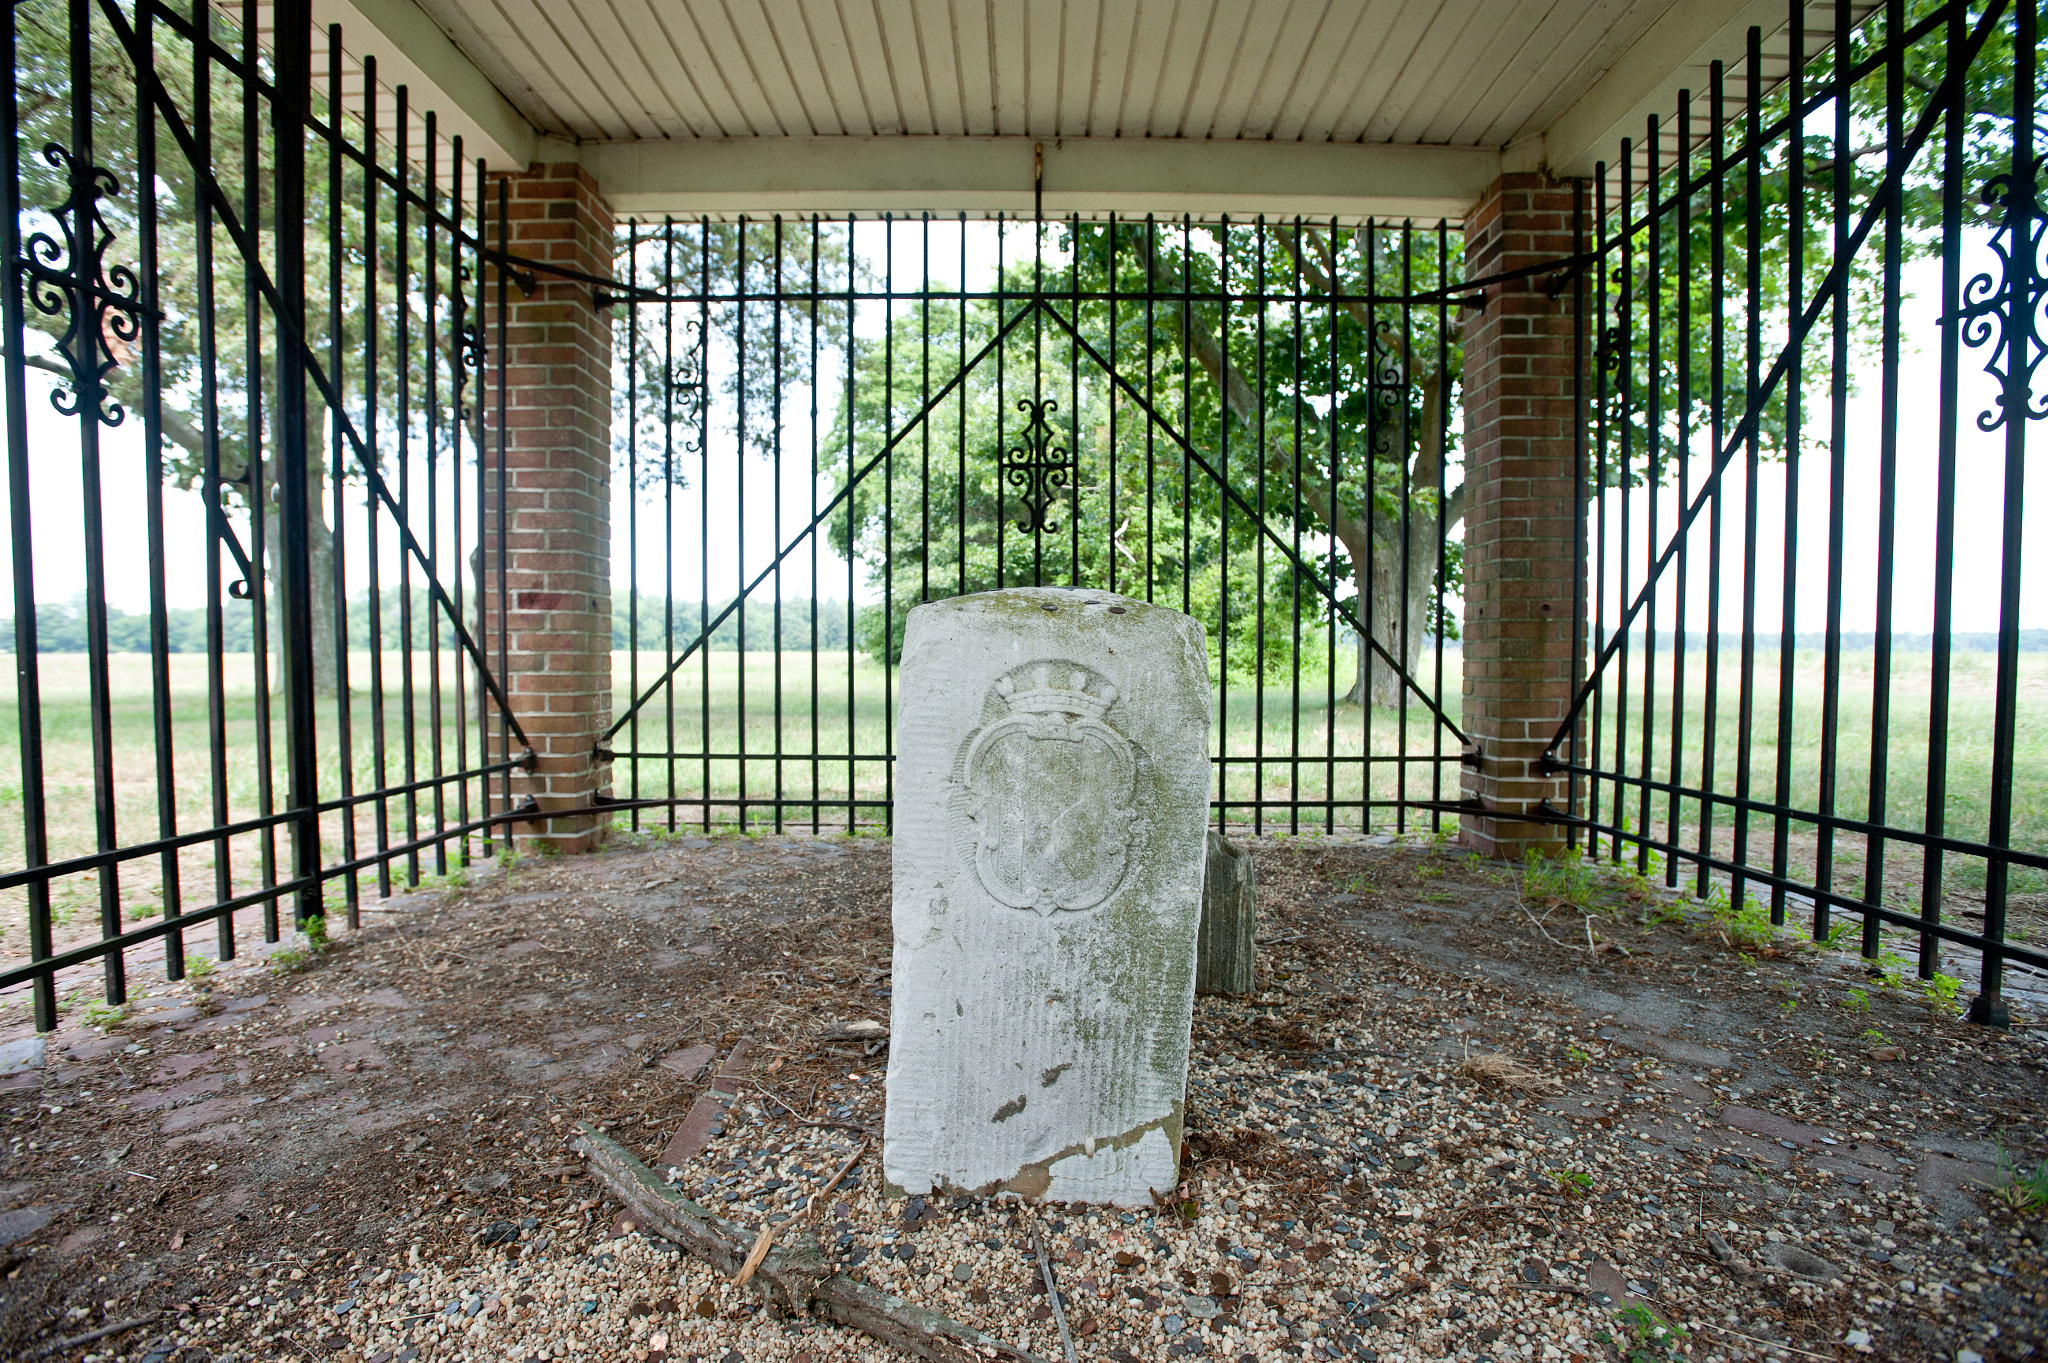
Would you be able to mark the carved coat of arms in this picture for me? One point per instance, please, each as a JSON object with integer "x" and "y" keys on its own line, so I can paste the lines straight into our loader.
{"x": 1044, "y": 790}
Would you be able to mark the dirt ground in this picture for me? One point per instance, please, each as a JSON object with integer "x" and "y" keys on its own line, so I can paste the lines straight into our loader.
{"x": 275, "y": 1167}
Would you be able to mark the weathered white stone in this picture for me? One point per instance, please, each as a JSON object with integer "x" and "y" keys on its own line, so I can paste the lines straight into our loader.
{"x": 1052, "y": 794}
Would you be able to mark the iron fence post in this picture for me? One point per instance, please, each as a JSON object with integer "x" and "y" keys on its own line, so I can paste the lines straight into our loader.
{"x": 293, "y": 64}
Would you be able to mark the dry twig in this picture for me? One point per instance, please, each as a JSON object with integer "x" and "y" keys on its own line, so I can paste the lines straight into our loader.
{"x": 1052, "y": 1293}
{"x": 767, "y": 1236}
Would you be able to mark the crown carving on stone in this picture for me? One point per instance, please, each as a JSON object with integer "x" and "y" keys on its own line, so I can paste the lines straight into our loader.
{"x": 1055, "y": 690}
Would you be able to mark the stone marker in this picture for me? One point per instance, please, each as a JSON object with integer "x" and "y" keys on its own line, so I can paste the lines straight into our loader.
{"x": 1225, "y": 952}
{"x": 1052, "y": 795}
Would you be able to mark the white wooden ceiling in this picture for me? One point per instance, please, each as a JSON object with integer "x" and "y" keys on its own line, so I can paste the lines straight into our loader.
{"x": 1312, "y": 106}
{"x": 1442, "y": 72}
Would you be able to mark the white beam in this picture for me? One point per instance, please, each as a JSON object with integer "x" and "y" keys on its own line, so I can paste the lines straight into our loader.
{"x": 1677, "y": 52}
{"x": 411, "y": 50}
{"x": 987, "y": 175}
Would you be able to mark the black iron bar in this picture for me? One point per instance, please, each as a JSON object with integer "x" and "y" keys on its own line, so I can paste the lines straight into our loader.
{"x": 1597, "y": 581}
{"x": 1752, "y": 353}
{"x": 431, "y": 359}
{"x": 2019, "y": 334}
{"x": 372, "y": 543}
{"x": 632, "y": 372}
{"x": 146, "y": 229}
{"x": 1876, "y": 803}
{"x": 401, "y": 291}
{"x": 1791, "y": 365}
{"x": 1654, "y": 454}
{"x": 21, "y": 530}
{"x": 292, "y": 47}
{"x": 1717, "y": 426}
{"x": 255, "y": 488}
{"x": 344, "y": 736}
{"x": 218, "y": 535}
{"x": 1838, "y": 471}
{"x": 83, "y": 203}
{"x": 1935, "y": 807}
{"x": 775, "y": 509}
{"x": 1622, "y": 363}
{"x": 1681, "y": 348}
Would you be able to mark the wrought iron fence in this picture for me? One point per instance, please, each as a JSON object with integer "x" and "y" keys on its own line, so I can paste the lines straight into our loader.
{"x": 824, "y": 423}
{"x": 1809, "y": 679}
{"x": 243, "y": 362}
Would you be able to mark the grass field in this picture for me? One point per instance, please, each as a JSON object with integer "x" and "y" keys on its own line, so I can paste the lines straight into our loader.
{"x": 725, "y": 704}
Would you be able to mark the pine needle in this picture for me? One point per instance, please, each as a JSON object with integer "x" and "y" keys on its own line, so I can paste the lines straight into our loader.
{"x": 1492, "y": 1068}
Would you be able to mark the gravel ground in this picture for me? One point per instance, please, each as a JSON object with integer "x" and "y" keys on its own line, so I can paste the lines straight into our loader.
{"x": 1437, "y": 1131}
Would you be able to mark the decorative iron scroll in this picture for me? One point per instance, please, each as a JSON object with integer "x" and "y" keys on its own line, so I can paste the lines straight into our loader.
{"x": 1987, "y": 301}
{"x": 102, "y": 304}
{"x": 1037, "y": 468}
{"x": 1388, "y": 388}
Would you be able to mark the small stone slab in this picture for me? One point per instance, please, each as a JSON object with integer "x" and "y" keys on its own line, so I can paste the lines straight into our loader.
{"x": 27, "y": 1053}
{"x": 695, "y": 1132}
{"x": 22, "y": 1223}
{"x": 689, "y": 1060}
{"x": 1052, "y": 802}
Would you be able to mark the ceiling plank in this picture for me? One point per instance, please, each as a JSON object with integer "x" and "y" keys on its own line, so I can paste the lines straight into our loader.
{"x": 986, "y": 175}
{"x": 1677, "y": 52}
{"x": 412, "y": 50}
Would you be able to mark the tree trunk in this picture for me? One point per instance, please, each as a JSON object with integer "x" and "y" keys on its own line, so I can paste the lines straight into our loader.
{"x": 320, "y": 555}
{"x": 1224, "y": 947}
{"x": 1398, "y": 625}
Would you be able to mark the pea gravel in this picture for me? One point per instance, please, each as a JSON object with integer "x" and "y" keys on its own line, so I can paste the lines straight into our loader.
{"x": 1358, "y": 1185}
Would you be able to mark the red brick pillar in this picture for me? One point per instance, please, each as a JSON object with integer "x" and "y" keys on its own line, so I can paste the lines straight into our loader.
{"x": 1520, "y": 513}
{"x": 557, "y": 613}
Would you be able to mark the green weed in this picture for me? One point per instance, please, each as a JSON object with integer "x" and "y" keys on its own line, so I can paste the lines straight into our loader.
{"x": 1570, "y": 1182}
{"x": 1653, "y": 1339}
{"x": 1874, "y": 1037}
{"x": 198, "y": 968}
{"x": 1941, "y": 991}
{"x": 1747, "y": 924}
{"x": 1564, "y": 878}
{"x": 297, "y": 955}
{"x": 2022, "y": 1189}
{"x": 1891, "y": 969}
{"x": 105, "y": 1016}
{"x": 1856, "y": 1001}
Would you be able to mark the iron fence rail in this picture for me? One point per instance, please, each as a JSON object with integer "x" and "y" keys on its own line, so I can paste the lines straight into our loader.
{"x": 1752, "y": 277}
{"x": 920, "y": 407}
{"x": 302, "y": 326}
{"x": 268, "y": 272}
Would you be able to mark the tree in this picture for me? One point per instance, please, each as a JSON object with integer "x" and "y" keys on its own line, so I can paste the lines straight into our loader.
{"x": 1370, "y": 467}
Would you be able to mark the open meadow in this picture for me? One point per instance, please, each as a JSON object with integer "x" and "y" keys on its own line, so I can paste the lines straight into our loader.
{"x": 709, "y": 740}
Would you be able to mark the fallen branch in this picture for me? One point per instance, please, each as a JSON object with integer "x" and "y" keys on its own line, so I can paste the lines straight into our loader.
{"x": 119, "y": 1327}
{"x": 794, "y": 1275}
